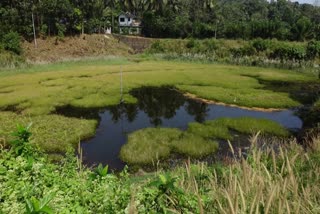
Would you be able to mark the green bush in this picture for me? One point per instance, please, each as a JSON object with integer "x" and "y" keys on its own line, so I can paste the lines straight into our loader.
{"x": 43, "y": 30}
{"x": 157, "y": 47}
{"x": 191, "y": 43}
{"x": 11, "y": 42}
{"x": 281, "y": 52}
{"x": 297, "y": 53}
{"x": 260, "y": 45}
{"x": 313, "y": 50}
{"x": 243, "y": 51}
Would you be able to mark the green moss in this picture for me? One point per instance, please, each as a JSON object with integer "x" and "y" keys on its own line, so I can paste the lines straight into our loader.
{"x": 209, "y": 131}
{"x": 53, "y": 133}
{"x": 85, "y": 84}
{"x": 194, "y": 145}
{"x": 249, "y": 125}
{"x": 38, "y": 91}
{"x": 148, "y": 145}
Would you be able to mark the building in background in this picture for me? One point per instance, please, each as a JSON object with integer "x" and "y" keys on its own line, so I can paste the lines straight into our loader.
{"x": 129, "y": 24}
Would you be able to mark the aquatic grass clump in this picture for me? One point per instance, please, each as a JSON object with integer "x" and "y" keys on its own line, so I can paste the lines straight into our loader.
{"x": 221, "y": 128}
{"x": 53, "y": 133}
{"x": 194, "y": 145}
{"x": 248, "y": 125}
{"x": 148, "y": 145}
{"x": 208, "y": 130}
{"x": 152, "y": 144}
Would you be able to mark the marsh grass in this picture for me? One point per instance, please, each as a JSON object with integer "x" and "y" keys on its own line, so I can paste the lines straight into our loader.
{"x": 265, "y": 182}
{"x": 59, "y": 133}
{"x": 285, "y": 180}
{"x": 40, "y": 90}
{"x": 194, "y": 146}
{"x": 149, "y": 145}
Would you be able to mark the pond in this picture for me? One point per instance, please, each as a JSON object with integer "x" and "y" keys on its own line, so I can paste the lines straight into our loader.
{"x": 157, "y": 107}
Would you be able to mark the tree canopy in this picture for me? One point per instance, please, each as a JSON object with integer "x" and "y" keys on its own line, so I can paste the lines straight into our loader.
{"x": 234, "y": 19}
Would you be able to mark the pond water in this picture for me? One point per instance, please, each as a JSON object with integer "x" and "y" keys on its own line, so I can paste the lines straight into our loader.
{"x": 162, "y": 107}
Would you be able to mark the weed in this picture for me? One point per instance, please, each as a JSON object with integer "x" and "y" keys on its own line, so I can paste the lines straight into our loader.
{"x": 35, "y": 206}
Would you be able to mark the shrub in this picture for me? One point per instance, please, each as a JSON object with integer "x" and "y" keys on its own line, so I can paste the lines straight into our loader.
{"x": 43, "y": 30}
{"x": 313, "y": 50}
{"x": 241, "y": 52}
{"x": 280, "y": 52}
{"x": 260, "y": 45}
{"x": 157, "y": 47}
{"x": 11, "y": 42}
{"x": 191, "y": 43}
{"x": 296, "y": 53}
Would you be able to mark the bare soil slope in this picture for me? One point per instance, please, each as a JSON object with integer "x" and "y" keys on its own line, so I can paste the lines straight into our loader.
{"x": 52, "y": 50}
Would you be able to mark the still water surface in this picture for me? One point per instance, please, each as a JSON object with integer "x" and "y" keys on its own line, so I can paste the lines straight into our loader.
{"x": 161, "y": 107}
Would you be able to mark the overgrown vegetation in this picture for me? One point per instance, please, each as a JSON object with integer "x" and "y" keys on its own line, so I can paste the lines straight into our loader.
{"x": 54, "y": 134}
{"x": 234, "y": 19}
{"x": 147, "y": 146}
{"x": 266, "y": 181}
{"x": 10, "y": 50}
{"x": 257, "y": 52}
{"x": 34, "y": 94}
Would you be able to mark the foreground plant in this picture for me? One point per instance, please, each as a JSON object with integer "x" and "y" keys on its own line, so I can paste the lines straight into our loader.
{"x": 35, "y": 206}
{"x": 269, "y": 180}
{"x": 21, "y": 145}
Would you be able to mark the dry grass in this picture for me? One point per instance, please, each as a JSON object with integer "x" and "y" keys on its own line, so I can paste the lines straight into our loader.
{"x": 286, "y": 181}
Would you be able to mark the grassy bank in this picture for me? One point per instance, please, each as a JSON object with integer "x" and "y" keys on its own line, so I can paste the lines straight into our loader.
{"x": 53, "y": 133}
{"x": 264, "y": 182}
{"x": 38, "y": 91}
{"x": 149, "y": 145}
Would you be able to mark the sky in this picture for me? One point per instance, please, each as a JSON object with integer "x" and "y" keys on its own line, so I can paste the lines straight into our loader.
{"x": 305, "y": 1}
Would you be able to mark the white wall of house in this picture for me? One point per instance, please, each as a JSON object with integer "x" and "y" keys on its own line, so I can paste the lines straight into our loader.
{"x": 125, "y": 21}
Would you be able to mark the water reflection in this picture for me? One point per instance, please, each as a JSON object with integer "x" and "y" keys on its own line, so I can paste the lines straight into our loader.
{"x": 158, "y": 104}
{"x": 163, "y": 107}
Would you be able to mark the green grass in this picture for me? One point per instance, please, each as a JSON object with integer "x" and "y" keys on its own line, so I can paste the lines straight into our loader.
{"x": 149, "y": 145}
{"x": 53, "y": 133}
{"x": 193, "y": 145}
{"x": 264, "y": 182}
{"x": 39, "y": 90}
{"x": 247, "y": 125}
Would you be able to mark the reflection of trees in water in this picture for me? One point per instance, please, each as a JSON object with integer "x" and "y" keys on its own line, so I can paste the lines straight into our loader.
{"x": 198, "y": 109}
{"x": 130, "y": 111}
{"x": 158, "y": 103}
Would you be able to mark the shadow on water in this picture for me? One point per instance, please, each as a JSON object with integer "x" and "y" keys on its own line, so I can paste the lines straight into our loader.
{"x": 156, "y": 107}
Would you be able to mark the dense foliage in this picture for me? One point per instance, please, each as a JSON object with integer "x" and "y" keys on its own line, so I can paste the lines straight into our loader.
{"x": 263, "y": 182}
{"x": 256, "y": 52}
{"x": 245, "y": 19}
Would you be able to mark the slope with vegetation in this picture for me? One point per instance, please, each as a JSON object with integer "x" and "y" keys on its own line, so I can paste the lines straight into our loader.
{"x": 286, "y": 182}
